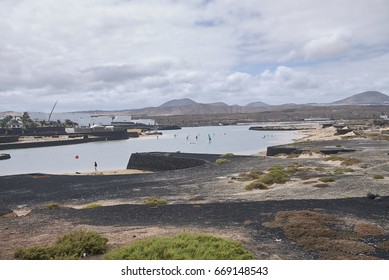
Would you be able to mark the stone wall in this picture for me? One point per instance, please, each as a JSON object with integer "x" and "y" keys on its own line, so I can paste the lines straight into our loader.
{"x": 162, "y": 161}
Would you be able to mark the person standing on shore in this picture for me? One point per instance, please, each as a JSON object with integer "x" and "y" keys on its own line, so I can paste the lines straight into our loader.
{"x": 95, "y": 166}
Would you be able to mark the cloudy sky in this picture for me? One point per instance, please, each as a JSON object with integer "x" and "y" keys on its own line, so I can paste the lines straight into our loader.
{"x": 122, "y": 54}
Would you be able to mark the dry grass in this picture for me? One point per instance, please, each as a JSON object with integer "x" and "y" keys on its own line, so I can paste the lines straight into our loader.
{"x": 383, "y": 245}
{"x": 321, "y": 233}
{"x": 197, "y": 198}
{"x": 344, "y": 160}
{"x": 366, "y": 229}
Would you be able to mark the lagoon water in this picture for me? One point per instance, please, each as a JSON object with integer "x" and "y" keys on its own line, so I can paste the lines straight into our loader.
{"x": 114, "y": 155}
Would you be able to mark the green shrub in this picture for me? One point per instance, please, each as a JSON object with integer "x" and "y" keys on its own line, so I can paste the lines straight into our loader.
{"x": 70, "y": 246}
{"x": 296, "y": 168}
{"x": 182, "y": 247}
{"x": 252, "y": 175}
{"x": 152, "y": 200}
{"x": 378, "y": 177}
{"x": 52, "y": 205}
{"x": 276, "y": 175}
{"x": 350, "y": 161}
{"x": 327, "y": 179}
{"x": 320, "y": 169}
{"x": 92, "y": 205}
{"x": 275, "y": 168}
{"x": 340, "y": 171}
{"x": 227, "y": 155}
{"x": 222, "y": 161}
{"x": 256, "y": 185}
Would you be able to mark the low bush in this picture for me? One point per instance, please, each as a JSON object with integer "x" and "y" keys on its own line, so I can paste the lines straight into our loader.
{"x": 340, "y": 171}
{"x": 227, "y": 155}
{"x": 70, "y": 246}
{"x": 276, "y": 175}
{"x": 92, "y": 205}
{"x": 222, "y": 161}
{"x": 319, "y": 169}
{"x": 52, "y": 205}
{"x": 252, "y": 175}
{"x": 182, "y": 247}
{"x": 378, "y": 177}
{"x": 255, "y": 185}
{"x": 327, "y": 179}
{"x": 152, "y": 200}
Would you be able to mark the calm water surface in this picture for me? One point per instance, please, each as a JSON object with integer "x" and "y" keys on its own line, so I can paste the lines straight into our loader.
{"x": 114, "y": 155}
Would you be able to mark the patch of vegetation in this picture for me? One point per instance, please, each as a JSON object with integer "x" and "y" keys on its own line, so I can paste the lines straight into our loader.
{"x": 383, "y": 245}
{"x": 182, "y": 247}
{"x": 340, "y": 171}
{"x": 92, "y": 205}
{"x": 222, "y": 161}
{"x": 296, "y": 168}
{"x": 321, "y": 233}
{"x": 378, "y": 177}
{"x": 368, "y": 229}
{"x": 52, "y": 205}
{"x": 152, "y": 200}
{"x": 327, "y": 179}
{"x": 196, "y": 198}
{"x": 252, "y": 175}
{"x": 276, "y": 175}
{"x": 293, "y": 156}
{"x": 321, "y": 185}
{"x": 256, "y": 185}
{"x": 227, "y": 155}
{"x": 71, "y": 246}
{"x": 344, "y": 160}
{"x": 320, "y": 169}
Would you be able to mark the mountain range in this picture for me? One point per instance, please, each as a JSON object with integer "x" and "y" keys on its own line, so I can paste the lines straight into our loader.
{"x": 188, "y": 106}
{"x": 365, "y": 98}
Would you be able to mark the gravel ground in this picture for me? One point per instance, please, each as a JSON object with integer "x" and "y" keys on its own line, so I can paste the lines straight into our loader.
{"x": 207, "y": 198}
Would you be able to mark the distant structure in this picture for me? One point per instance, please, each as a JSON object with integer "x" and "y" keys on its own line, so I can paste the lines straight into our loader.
{"x": 55, "y": 104}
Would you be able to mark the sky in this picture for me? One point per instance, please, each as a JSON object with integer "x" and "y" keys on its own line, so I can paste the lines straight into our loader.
{"x": 125, "y": 54}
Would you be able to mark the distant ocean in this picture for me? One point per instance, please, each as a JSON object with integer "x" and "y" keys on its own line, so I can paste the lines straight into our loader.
{"x": 114, "y": 155}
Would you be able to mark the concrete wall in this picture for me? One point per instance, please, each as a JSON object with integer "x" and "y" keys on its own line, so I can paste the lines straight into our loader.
{"x": 162, "y": 161}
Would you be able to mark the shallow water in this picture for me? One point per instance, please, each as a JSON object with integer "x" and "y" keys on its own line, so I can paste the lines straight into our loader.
{"x": 114, "y": 155}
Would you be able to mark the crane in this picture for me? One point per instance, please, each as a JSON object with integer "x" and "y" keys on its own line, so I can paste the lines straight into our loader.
{"x": 52, "y": 110}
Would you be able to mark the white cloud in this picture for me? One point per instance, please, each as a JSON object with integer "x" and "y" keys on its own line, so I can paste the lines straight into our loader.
{"x": 327, "y": 47}
{"x": 107, "y": 54}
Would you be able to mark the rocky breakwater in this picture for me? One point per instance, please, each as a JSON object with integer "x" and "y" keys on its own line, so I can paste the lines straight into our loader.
{"x": 299, "y": 148}
{"x": 5, "y": 156}
{"x": 159, "y": 161}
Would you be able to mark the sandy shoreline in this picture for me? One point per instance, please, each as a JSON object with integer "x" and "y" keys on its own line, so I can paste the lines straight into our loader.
{"x": 108, "y": 172}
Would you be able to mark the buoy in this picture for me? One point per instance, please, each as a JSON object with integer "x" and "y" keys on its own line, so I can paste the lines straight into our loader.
{"x": 76, "y": 156}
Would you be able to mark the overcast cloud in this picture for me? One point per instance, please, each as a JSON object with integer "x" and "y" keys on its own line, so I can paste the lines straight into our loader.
{"x": 122, "y": 54}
